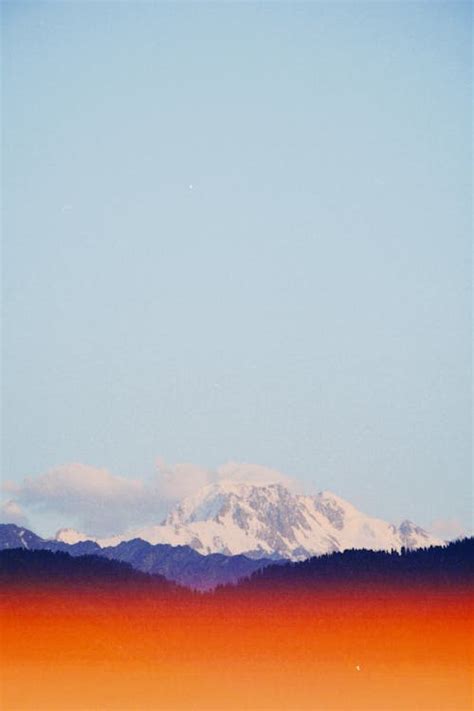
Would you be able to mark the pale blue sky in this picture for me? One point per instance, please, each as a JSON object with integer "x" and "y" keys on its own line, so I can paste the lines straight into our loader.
{"x": 305, "y": 305}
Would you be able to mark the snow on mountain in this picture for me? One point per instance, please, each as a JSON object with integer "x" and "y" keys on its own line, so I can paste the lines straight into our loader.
{"x": 13, "y": 536}
{"x": 71, "y": 536}
{"x": 269, "y": 520}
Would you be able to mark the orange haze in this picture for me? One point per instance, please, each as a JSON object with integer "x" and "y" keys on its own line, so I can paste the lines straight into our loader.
{"x": 83, "y": 649}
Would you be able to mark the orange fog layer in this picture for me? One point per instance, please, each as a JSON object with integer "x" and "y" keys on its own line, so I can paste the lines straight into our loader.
{"x": 84, "y": 650}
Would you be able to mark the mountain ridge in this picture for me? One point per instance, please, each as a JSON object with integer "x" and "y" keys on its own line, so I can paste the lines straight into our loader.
{"x": 350, "y": 573}
{"x": 180, "y": 564}
{"x": 269, "y": 520}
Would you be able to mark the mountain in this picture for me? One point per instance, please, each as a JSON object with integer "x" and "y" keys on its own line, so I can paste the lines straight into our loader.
{"x": 180, "y": 564}
{"x": 12, "y": 536}
{"x": 270, "y": 521}
{"x": 238, "y": 522}
{"x": 185, "y": 565}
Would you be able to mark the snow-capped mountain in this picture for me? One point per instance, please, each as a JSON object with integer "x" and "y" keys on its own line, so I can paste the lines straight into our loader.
{"x": 269, "y": 520}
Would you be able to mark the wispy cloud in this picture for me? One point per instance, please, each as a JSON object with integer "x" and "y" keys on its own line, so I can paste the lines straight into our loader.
{"x": 90, "y": 497}
{"x": 448, "y": 528}
{"x": 256, "y": 473}
{"x": 177, "y": 481}
{"x": 180, "y": 480}
{"x": 11, "y": 512}
{"x": 101, "y": 503}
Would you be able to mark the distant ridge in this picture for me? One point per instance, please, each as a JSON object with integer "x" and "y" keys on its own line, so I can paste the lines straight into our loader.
{"x": 180, "y": 564}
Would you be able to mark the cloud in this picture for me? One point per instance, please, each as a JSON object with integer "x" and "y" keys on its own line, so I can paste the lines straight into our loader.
{"x": 11, "y": 512}
{"x": 254, "y": 473}
{"x": 100, "y": 503}
{"x": 89, "y": 497}
{"x": 448, "y": 528}
{"x": 180, "y": 480}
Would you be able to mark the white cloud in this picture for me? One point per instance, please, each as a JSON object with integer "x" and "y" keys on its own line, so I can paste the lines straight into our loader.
{"x": 180, "y": 480}
{"x": 11, "y": 512}
{"x": 448, "y": 528}
{"x": 254, "y": 473}
{"x": 89, "y": 497}
{"x": 101, "y": 503}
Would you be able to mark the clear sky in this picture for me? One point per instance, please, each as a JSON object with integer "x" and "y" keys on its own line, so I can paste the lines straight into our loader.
{"x": 240, "y": 232}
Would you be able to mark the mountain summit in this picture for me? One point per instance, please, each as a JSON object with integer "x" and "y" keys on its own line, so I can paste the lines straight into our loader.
{"x": 271, "y": 521}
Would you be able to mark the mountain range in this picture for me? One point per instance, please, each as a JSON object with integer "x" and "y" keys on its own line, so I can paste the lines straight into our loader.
{"x": 352, "y": 572}
{"x": 269, "y": 521}
{"x": 228, "y": 530}
{"x": 180, "y": 564}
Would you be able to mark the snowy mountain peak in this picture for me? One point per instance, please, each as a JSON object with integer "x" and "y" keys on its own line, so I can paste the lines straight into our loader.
{"x": 413, "y": 536}
{"x": 330, "y": 497}
{"x": 270, "y": 520}
{"x": 218, "y": 501}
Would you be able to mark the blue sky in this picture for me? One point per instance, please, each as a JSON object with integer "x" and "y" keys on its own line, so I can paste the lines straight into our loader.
{"x": 240, "y": 232}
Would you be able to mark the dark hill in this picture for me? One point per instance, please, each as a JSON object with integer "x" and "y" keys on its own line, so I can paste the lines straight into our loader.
{"x": 31, "y": 567}
{"x": 439, "y": 566}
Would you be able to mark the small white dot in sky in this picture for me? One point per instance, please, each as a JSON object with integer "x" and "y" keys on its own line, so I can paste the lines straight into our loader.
{"x": 190, "y": 186}
{"x": 358, "y": 667}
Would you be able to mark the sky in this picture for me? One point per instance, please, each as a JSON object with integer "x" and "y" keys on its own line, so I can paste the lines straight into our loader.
{"x": 236, "y": 232}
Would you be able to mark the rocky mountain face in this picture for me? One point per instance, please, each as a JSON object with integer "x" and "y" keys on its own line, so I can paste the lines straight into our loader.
{"x": 12, "y": 536}
{"x": 271, "y": 521}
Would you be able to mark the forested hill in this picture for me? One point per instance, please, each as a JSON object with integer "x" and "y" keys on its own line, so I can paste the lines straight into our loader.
{"x": 450, "y": 565}
{"x": 35, "y": 567}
